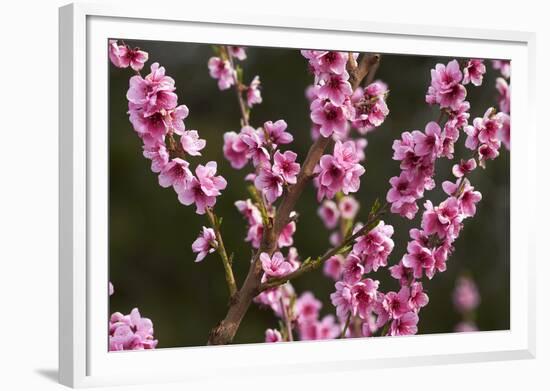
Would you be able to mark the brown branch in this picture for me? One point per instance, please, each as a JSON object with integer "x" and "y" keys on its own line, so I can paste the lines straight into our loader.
{"x": 224, "y": 332}
{"x": 244, "y": 112}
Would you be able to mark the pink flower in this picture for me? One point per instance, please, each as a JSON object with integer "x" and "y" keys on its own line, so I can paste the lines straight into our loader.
{"x": 375, "y": 246}
{"x": 158, "y": 154}
{"x": 473, "y": 72}
{"x": 285, "y": 238}
{"x": 221, "y": 70}
{"x": 130, "y": 332}
{"x": 331, "y": 177}
{"x": 466, "y": 327}
{"x": 397, "y": 304}
{"x": 235, "y": 150}
{"x": 503, "y": 66}
{"x": 353, "y": 269}
{"x": 405, "y": 325}
{"x": 370, "y": 106}
{"x": 420, "y": 259}
{"x": 270, "y": 184}
{"x": 237, "y": 52}
{"x": 504, "y": 95}
{"x": 504, "y": 133}
{"x": 418, "y": 298}
{"x": 122, "y": 56}
{"x": 256, "y": 147}
{"x": 249, "y": 211}
{"x": 275, "y": 266}
{"x": 401, "y": 273}
{"x": 342, "y": 299}
{"x": 176, "y": 173}
{"x": 203, "y": 189}
{"x": 254, "y": 234}
{"x": 467, "y": 197}
{"x": 466, "y": 295}
{"x": 364, "y": 296}
{"x": 175, "y": 119}
{"x": 443, "y": 220}
{"x": 205, "y": 244}
{"x": 285, "y": 165}
{"x": 464, "y": 167}
{"x": 329, "y": 213}
{"x": 327, "y": 328}
{"x": 307, "y": 307}
{"x": 445, "y": 88}
{"x": 277, "y": 132}
{"x": 253, "y": 93}
{"x": 332, "y": 62}
{"x": 330, "y": 117}
{"x": 191, "y": 142}
{"x": 111, "y": 289}
{"x": 403, "y": 195}
{"x": 348, "y": 207}
{"x": 429, "y": 141}
{"x": 272, "y": 335}
{"x": 153, "y": 93}
{"x": 335, "y": 87}
{"x": 333, "y": 267}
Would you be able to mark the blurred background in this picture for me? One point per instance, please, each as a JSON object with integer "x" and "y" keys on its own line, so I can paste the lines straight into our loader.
{"x": 151, "y": 264}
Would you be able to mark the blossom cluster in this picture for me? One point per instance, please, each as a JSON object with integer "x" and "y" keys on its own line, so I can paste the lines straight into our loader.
{"x": 157, "y": 119}
{"x": 484, "y": 135}
{"x": 223, "y": 70}
{"x": 131, "y": 332}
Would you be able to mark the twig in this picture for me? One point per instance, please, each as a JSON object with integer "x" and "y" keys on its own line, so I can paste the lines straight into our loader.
{"x": 229, "y": 278}
{"x": 346, "y": 325}
{"x": 237, "y": 84}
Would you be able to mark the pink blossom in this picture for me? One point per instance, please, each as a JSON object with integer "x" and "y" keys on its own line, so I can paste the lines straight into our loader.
{"x": 504, "y": 133}
{"x": 466, "y": 295}
{"x": 329, "y": 213}
{"x": 158, "y": 154}
{"x": 286, "y": 236}
{"x": 272, "y": 335}
{"x": 331, "y": 118}
{"x": 249, "y": 211}
{"x": 256, "y": 147}
{"x": 420, "y": 259}
{"x": 443, "y": 220}
{"x": 503, "y": 95}
{"x": 418, "y": 298}
{"x": 401, "y": 273}
{"x": 285, "y": 165}
{"x": 307, "y": 307}
{"x": 150, "y": 128}
{"x": 203, "y": 189}
{"x": 466, "y": 195}
{"x": 429, "y": 141}
{"x": 464, "y": 167}
{"x": 332, "y": 62}
{"x": 277, "y": 132}
{"x": 274, "y": 297}
{"x": 122, "y": 56}
{"x": 335, "y": 87}
{"x": 348, "y": 207}
{"x": 403, "y": 195}
{"x": 397, "y": 304}
{"x": 333, "y": 267}
{"x": 111, "y": 289}
{"x": 473, "y": 72}
{"x": 405, "y": 325}
{"x": 254, "y": 234}
{"x": 174, "y": 119}
{"x": 465, "y": 327}
{"x": 342, "y": 299}
{"x": 353, "y": 269}
{"x": 270, "y": 184}
{"x": 253, "y": 93}
{"x": 364, "y": 294}
{"x": 176, "y": 173}
{"x": 331, "y": 177}
{"x": 370, "y": 106}
{"x": 191, "y": 143}
{"x": 275, "y": 266}
{"x": 237, "y": 52}
{"x": 235, "y": 150}
{"x": 445, "y": 88}
{"x": 327, "y": 328}
{"x": 130, "y": 332}
{"x": 375, "y": 246}
{"x": 205, "y": 244}
{"x": 153, "y": 93}
{"x": 221, "y": 70}
{"x": 503, "y": 66}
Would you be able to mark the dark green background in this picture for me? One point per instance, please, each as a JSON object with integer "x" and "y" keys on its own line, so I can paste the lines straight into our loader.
{"x": 150, "y": 232}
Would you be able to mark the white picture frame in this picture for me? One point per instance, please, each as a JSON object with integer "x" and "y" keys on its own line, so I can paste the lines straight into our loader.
{"x": 84, "y": 360}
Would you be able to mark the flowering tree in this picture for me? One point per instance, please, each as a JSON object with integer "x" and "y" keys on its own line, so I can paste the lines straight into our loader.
{"x": 346, "y": 103}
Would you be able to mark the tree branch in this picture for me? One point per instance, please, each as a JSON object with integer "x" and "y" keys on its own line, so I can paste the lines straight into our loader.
{"x": 224, "y": 332}
{"x": 244, "y": 112}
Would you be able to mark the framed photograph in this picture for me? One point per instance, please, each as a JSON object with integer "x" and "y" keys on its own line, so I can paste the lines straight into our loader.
{"x": 241, "y": 194}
